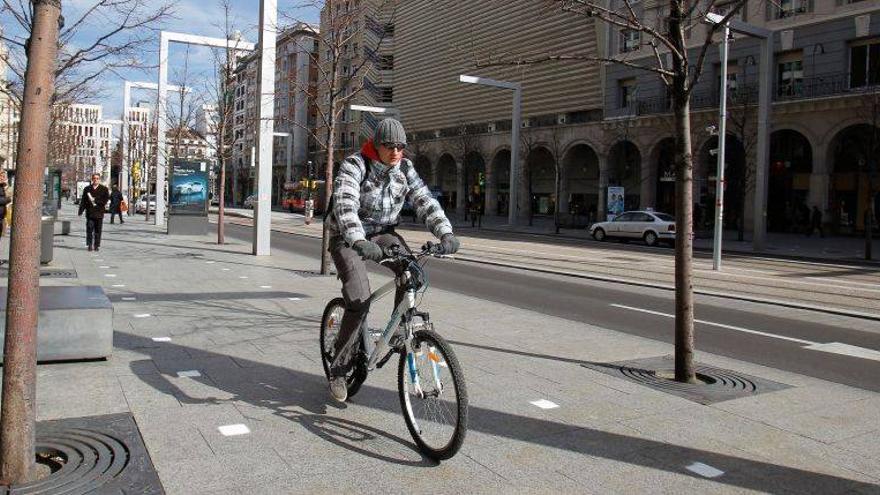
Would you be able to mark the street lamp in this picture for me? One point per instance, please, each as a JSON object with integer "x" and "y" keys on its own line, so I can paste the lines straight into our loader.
{"x": 765, "y": 89}
{"x": 516, "y": 123}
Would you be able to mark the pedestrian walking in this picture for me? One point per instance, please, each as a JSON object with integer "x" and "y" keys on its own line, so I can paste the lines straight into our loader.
{"x": 94, "y": 202}
{"x": 4, "y": 201}
{"x": 816, "y": 222}
{"x": 116, "y": 200}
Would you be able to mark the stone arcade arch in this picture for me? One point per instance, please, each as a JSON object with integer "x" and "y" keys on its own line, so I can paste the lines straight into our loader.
{"x": 850, "y": 152}
{"x": 579, "y": 197}
{"x": 625, "y": 169}
{"x": 447, "y": 181}
{"x": 541, "y": 182}
{"x": 705, "y": 172}
{"x": 498, "y": 187}
{"x": 791, "y": 163}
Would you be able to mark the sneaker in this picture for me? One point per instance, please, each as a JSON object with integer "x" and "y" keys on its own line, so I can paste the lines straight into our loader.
{"x": 90, "y": 248}
{"x": 339, "y": 388}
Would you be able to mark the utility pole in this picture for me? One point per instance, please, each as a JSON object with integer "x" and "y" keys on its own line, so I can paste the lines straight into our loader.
{"x": 17, "y": 412}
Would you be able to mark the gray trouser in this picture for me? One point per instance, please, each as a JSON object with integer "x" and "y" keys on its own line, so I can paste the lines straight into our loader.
{"x": 352, "y": 270}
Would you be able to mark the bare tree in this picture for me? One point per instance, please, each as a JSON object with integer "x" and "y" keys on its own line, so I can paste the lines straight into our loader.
{"x": 556, "y": 150}
{"x": 464, "y": 144}
{"x": 670, "y": 59}
{"x": 97, "y": 38}
{"x": 348, "y": 41}
{"x": 743, "y": 124}
{"x": 220, "y": 97}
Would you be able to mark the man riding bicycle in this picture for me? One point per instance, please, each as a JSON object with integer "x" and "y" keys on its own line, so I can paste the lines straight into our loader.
{"x": 368, "y": 193}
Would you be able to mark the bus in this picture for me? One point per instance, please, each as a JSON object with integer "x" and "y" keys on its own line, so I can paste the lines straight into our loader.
{"x": 295, "y": 195}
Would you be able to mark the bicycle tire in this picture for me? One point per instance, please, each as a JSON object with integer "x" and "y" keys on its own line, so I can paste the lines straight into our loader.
{"x": 355, "y": 378}
{"x": 447, "y": 449}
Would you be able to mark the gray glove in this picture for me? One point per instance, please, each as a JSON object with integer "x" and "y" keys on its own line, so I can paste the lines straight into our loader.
{"x": 449, "y": 243}
{"x": 368, "y": 250}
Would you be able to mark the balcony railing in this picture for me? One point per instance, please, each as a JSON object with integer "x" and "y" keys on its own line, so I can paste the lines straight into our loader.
{"x": 820, "y": 86}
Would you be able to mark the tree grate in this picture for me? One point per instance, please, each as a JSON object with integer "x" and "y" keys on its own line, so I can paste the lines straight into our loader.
{"x": 98, "y": 454}
{"x": 714, "y": 384}
{"x": 48, "y": 273}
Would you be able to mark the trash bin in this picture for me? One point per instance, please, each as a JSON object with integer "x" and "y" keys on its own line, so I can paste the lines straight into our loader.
{"x": 47, "y": 239}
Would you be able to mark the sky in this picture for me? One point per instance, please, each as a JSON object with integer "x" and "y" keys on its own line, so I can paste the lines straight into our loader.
{"x": 200, "y": 17}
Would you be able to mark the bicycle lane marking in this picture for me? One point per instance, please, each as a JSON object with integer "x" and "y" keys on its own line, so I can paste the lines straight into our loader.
{"x": 830, "y": 347}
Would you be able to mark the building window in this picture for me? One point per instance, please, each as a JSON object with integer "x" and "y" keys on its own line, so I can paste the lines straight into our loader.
{"x": 629, "y": 40}
{"x": 386, "y": 95}
{"x": 864, "y": 64}
{"x": 790, "y": 75}
{"x": 732, "y": 70}
{"x": 788, "y": 8}
{"x": 724, "y": 8}
{"x": 627, "y": 90}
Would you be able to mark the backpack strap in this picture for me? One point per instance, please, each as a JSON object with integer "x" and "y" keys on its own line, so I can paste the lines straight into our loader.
{"x": 364, "y": 175}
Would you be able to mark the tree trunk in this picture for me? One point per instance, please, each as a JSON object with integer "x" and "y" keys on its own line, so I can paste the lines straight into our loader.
{"x": 18, "y": 409}
{"x": 328, "y": 192}
{"x": 684, "y": 291}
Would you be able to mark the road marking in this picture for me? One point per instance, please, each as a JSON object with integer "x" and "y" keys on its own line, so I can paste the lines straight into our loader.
{"x": 831, "y": 347}
{"x": 544, "y": 404}
{"x": 265, "y": 286}
{"x": 243, "y": 276}
{"x": 721, "y": 325}
{"x": 210, "y": 262}
{"x": 110, "y": 275}
{"x": 118, "y": 285}
{"x": 704, "y": 470}
{"x": 846, "y": 350}
{"x": 227, "y": 269}
{"x": 848, "y": 282}
{"x": 233, "y": 430}
{"x": 189, "y": 374}
{"x": 143, "y": 315}
{"x": 161, "y": 339}
{"x": 104, "y": 266}
{"x": 294, "y": 298}
{"x": 129, "y": 299}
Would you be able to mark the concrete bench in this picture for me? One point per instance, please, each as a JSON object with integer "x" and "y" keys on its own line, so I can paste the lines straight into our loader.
{"x": 75, "y": 323}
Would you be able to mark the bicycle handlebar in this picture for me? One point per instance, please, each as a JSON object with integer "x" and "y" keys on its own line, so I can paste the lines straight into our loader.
{"x": 394, "y": 252}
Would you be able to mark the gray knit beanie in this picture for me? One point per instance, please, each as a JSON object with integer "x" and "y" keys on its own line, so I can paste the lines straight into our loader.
{"x": 389, "y": 131}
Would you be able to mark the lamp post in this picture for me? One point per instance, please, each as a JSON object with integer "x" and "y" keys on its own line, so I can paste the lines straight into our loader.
{"x": 765, "y": 89}
{"x": 722, "y": 141}
{"x": 516, "y": 123}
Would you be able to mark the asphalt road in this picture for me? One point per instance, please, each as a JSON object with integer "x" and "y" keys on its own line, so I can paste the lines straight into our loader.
{"x": 757, "y": 333}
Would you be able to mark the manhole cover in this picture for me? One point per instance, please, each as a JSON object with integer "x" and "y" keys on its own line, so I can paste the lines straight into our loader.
{"x": 98, "y": 454}
{"x": 716, "y": 384}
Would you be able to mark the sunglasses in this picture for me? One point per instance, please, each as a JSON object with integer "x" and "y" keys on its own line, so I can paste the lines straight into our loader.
{"x": 395, "y": 146}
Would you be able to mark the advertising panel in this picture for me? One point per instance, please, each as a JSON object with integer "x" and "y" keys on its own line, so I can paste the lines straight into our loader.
{"x": 615, "y": 201}
{"x": 188, "y": 188}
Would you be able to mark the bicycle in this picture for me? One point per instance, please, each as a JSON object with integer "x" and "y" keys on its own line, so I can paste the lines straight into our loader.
{"x": 430, "y": 380}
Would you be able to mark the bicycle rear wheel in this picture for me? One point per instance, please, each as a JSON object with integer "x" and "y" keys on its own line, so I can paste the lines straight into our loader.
{"x": 435, "y": 403}
{"x": 330, "y": 323}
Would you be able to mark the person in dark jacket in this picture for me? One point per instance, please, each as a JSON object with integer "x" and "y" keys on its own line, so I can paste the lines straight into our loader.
{"x": 4, "y": 200}
{"x": 94, "y": 202}
{"x": 116, "y": 205}
{"x": 816, "y": 222}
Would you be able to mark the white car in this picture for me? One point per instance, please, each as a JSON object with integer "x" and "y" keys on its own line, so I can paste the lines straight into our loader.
{"x": 650, "y": 226}
{"x": 141, "y": 205}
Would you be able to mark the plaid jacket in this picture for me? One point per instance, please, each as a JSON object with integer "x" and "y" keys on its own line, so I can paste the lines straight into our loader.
{"x": 362, "y": 207}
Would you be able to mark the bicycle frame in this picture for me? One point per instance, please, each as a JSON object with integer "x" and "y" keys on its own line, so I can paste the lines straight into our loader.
{"x": 407, "y": 303}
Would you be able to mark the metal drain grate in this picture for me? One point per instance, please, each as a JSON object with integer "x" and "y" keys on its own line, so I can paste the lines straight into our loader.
{"x": 47, "y": 273}
{"x": 717, "y": 385}
{"x": 310, "y": 274}
{"x": 103, "y": 454}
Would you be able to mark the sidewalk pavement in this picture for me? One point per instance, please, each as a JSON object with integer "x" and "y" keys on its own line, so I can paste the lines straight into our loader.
{"x": 243, "y": 350}
{"x": 798, "y": 246}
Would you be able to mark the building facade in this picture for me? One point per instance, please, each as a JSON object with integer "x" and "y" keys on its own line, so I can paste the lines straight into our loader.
{"x": 610, "y": 125}
{"x": 359, "y": 40}
{"x": 294, "y": 115}
{"x": 82, "y": 140}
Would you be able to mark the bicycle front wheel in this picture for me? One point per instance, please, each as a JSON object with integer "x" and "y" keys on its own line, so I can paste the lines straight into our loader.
{"x": 433, "y": 395}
